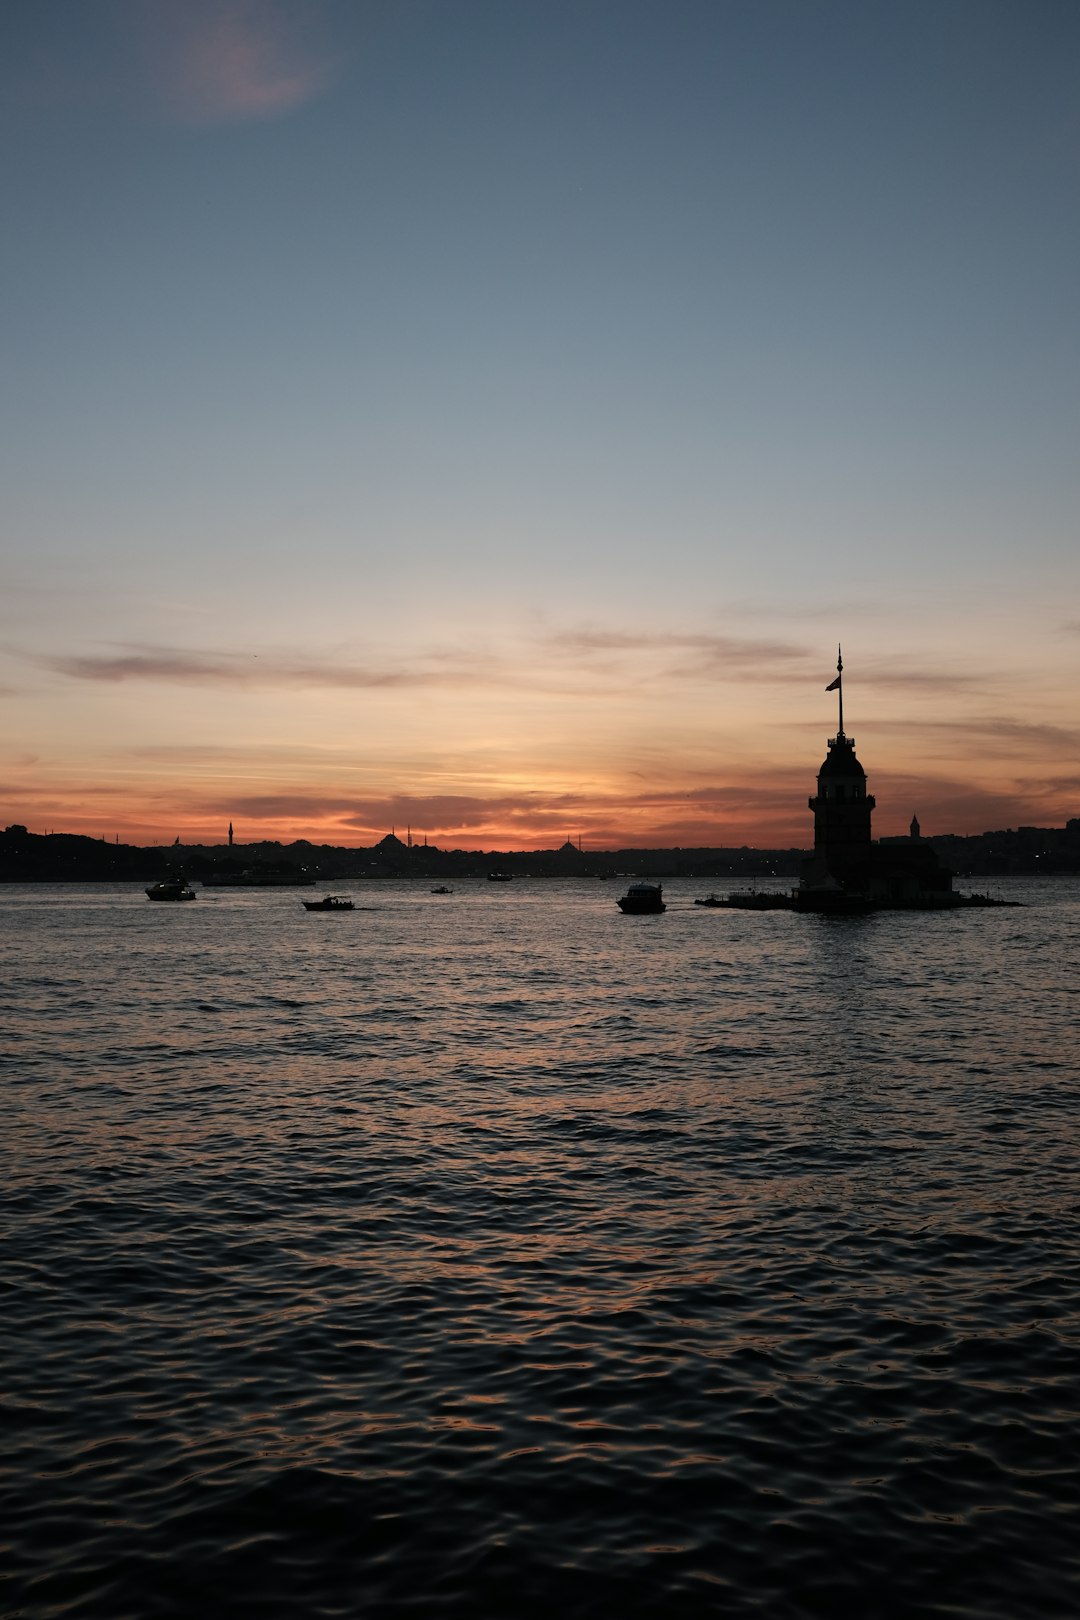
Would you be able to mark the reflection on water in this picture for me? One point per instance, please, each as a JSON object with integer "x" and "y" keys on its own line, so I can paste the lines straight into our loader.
{"x": 489, "y": 1255}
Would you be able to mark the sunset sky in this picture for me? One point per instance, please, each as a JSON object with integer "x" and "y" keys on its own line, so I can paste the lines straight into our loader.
{"x": 488, "y": 416}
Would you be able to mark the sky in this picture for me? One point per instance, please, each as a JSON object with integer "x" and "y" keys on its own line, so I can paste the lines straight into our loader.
{"x": 487, "y": 417}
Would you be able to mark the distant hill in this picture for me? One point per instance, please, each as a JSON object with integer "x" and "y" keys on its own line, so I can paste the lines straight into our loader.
{"x": 70, "y": 858}
{"x": 27, "y": 857}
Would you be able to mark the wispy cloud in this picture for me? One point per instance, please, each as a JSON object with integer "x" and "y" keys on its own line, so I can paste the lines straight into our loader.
{"x": 693, "y": 654}
{"x": 558, "y": 662}
{"x": 196, "y": 62}
{"x": 220, "y": 61}
{"x": 750, "y": 808}
{"x": 996, "y": 737}
{"x": 555, "y": 663}
{"x": 506, "y": 820}
{"x": 952, "y": 805}
{"x": 902, "y": 679}
{"x": 737, "y": 653}
{"x": 177, "y": 665}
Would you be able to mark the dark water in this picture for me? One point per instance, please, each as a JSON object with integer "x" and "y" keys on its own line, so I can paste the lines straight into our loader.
{"x": 497, "y": 1254}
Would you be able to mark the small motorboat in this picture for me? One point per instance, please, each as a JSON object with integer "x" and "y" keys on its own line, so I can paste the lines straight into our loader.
{"x": 710, "y": 900}
{"x": 170, "y": 889}
{"x": 500, "y": 877}
{"x": 642, "y": 898}
{"x": 329, "y": 902}
{"x": 442, "y": 889}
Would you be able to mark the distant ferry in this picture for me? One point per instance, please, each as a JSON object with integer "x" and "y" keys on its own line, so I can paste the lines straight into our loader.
{"x": 500, "y": 877}
{"x": 329, "y": 902}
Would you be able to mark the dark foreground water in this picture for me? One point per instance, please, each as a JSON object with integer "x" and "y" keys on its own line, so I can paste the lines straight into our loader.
{"x": 495, "y": 1254}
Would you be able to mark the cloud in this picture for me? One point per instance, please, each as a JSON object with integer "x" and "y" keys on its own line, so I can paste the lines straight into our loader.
{"x": 557, "y": 662}
{"x": 948, "y": 805}
{"x": 716, "y": 656}
{"x": 197, "y": 62}
{"x": 556, "y": 665}
{"x": 224, "y": 61}
{"x": 737, "y": 653}
{"x": 998, "y": 738}
{"x": 900, "y": 679}
{"x": 145, "y": 663}
{"x": 754, "y": 807}
{"x": 513, "y": 819}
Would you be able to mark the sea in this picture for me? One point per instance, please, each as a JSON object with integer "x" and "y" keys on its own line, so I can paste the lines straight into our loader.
{"x": 495, "y": 1254}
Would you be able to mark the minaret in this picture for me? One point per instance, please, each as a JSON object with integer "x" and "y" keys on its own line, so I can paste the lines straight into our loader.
{"x": 914, "y": 829}
{"x": 230, "y": 835}
{"x": 841, "y": 808}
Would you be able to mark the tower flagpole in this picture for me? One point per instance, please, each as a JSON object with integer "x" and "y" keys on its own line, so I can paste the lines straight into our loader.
{"x": 837, "y": 686}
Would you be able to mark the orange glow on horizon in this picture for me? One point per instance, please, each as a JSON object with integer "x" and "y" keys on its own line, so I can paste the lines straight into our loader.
{"x": 619, "y": 740}
{"x": 775, "y": 817}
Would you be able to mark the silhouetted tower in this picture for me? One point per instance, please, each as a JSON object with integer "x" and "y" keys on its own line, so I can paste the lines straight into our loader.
{"x": 914, "y": 829}
{"x": 842, "y": 806}
{"x": 230, "y": 835}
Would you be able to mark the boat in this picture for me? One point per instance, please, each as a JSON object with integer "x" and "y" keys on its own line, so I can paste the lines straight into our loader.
{"x": 641, "y": 898}
{"x": 442, "y": 889}
{"x": 170, "y": 889}
{"x": 329, "y": 902}
{"x": 500, "y": 877}
{"x": 710, "y": 900}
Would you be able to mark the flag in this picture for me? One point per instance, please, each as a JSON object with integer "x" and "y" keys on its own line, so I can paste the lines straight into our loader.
{"x": 833, "y": 685}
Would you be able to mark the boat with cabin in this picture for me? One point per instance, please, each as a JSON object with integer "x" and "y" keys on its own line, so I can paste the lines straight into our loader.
{"x": 173, "y": 888}
{"x": 642, "y": 899}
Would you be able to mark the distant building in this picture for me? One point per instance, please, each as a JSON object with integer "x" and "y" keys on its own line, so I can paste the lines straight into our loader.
{"x": 847, "y": 867}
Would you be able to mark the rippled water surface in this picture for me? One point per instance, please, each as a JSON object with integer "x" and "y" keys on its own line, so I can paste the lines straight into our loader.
{"x": 494, "y": 1253}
